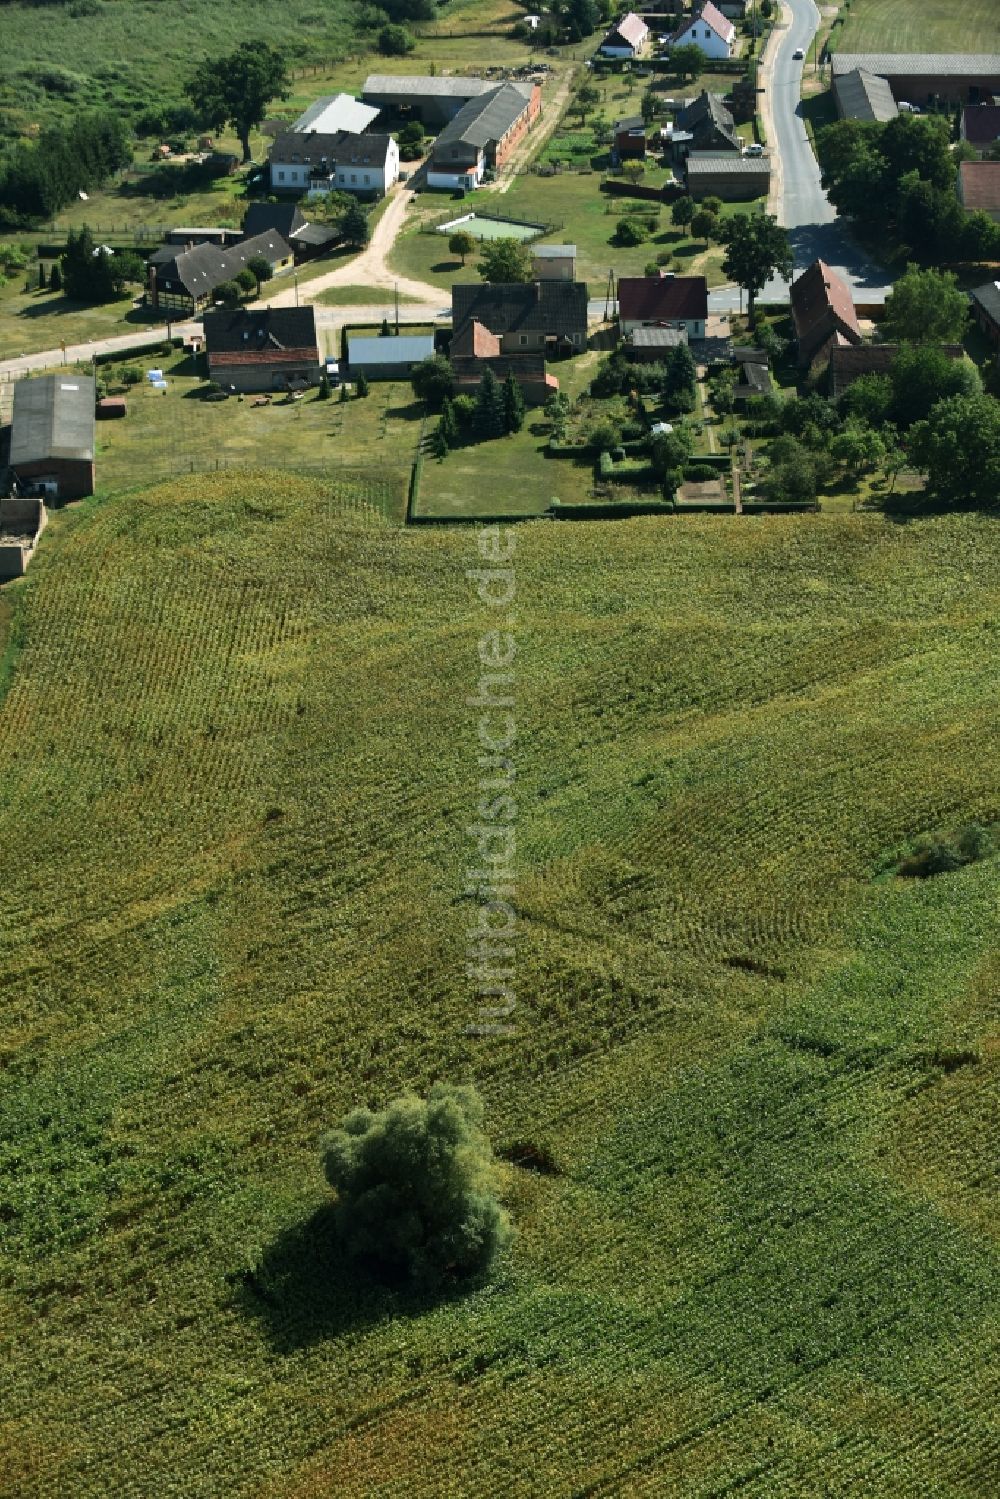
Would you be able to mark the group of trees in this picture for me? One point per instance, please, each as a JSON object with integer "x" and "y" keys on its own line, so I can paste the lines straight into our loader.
{"x": 671, "y": 380}
{"x": 927, "y": 411}
{"x": 496, "y": 410}
{"x": 90, "y": 272}
{"x": 897, "y": 180}
{"x": 566, "y": 21}
{"x": 40, "y": 177}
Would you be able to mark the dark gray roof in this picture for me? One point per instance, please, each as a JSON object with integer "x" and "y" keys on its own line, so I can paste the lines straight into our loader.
{"x": 315, "y": 234}
{"x": 988, "y": 298}
{"x": 707, "y": 109}
{"x": 630, "y": 122}
{"x": 204, "y": 267}
{"x": 483, "y": 120}
{"x": 315, "y": 149}
{"x": 755, "y": 380}
{"x": 557, "y": 307}
{"x": 918, "y": 64}
{"x": 257, "y": 330}
{"x": 864, "y": 96}
{"x": 53, "y": 418}
{"x": 284, "y": 218}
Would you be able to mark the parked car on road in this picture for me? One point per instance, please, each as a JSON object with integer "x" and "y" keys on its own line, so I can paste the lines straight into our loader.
{"x": 798, "y": 53}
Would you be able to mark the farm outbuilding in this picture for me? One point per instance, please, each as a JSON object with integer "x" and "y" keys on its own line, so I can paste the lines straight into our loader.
{"x": 52, "y": 435}
{"x": 389, "y": 358}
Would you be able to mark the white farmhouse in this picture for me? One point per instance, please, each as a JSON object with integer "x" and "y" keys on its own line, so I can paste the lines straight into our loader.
{"x": 709, "y": 30}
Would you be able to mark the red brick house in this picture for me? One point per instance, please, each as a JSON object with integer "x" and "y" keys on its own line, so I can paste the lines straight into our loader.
{"x": 823, "y": 311}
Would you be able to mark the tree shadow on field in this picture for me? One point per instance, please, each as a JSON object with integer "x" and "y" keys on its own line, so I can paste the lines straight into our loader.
{"x": 305, "y": 1289}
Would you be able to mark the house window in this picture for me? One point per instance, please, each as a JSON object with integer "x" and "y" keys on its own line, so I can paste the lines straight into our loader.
{"x": 354, "y": 176}
{"x": 524, "y": 338}
{"x": 281, "y": 175}
{"x": 367, "y": 179}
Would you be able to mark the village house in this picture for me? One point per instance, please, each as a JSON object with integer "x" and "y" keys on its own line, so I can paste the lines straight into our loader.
{"x": 184, "y": 279}
{"x": 414, "y": 96}
{"x": 549, "y": 317}
{"x": 474, "y": 350}
{"x": 708, "y": 124}
{"x": 553, "y": 262}
{"x": 649, "y": 345}
{"x": 922, "y": 77}
{"x": 726, "y": 175}
{"x": 709, "y": 30}
{"x": 754, "y": 375}
{"x": 482, "y": 135}
{"x": 980, "y": 128}
{"x": 666, "y": 301}
{"x": 629, "y": 140}
{"x": 849, "y": 362}
{"x": 627, "y": 38}
{"x": 823, "y": 312}
{"x": 316, "y": 164}
{"x": 262, "y": 349}
{"x": 288, "y": 220}
{"x": 860, "y": 95}
{"x": 52, "y": 436}
{"x": 986, "y": 309}
{"x": 979, "y": 188}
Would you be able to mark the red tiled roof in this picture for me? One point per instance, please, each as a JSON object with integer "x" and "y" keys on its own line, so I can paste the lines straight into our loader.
{"x": 476, "y": 340}
{"x": 654, "y": 299}
{"x": 981, "y": 124}
{"x": 266, "y": 356}
{"x": 980, "y": 185}
{"x": 822, "y": 300}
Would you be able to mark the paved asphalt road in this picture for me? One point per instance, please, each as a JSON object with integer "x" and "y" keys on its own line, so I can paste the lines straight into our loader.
{"x": 811, "y": 221}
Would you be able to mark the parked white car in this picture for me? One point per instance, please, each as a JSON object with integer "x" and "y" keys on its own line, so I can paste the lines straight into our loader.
{"x": 754, "y": 149}
{"x": 798, "y": 54}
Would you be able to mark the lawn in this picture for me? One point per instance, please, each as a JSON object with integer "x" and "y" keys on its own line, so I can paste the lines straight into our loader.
{"x": 509, "y": 477}
{"x": 238, "y": 769}
{"x": 176, "y": 432}
{"x": 930, "y": 26}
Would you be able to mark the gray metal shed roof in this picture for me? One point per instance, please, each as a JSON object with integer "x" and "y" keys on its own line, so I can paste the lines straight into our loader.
{"x": 418, "y": 84}
{"x": 337, "y": 112}
{"x": 553, "y": 252}
{"x": 53, "y": 418}
{"x": 725, "y": 163}
{"x": 403, "y": 348}
{"x": 917, "y": 64}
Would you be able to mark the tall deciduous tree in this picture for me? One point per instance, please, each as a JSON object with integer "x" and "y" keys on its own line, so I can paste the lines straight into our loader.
{"x": 926, "y": 307}
{"x": 354, "y": 225}
{"x": 237, "y": 89}
{"x": 504, "y": 260}
{"x": 958, "y": 448}
{"x": 461, "y": 243}
{"x": 757, "y": 248}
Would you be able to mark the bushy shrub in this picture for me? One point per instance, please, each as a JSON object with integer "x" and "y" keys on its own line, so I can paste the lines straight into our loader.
{"x": 415, "y": 1188}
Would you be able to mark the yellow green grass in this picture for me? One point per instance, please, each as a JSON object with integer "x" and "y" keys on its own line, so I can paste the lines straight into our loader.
{"x": 175, "y": 432}
{"x": 238, "y": 767}
{"x": 931, "y": 26}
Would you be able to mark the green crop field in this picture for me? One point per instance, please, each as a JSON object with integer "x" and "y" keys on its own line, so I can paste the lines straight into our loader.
{"x": 927, "y": 26}
{"x": 238, "y": 770}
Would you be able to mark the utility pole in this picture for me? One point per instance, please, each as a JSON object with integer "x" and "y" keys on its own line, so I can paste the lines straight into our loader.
{"x": 396, "y": 293}
{"x": 296, "y": 278}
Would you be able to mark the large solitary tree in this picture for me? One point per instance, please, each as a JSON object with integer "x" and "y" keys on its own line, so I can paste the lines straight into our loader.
{"x": 958, "y": 448}
{"x": 926, "y": 307}
{"x": 757, "y": 248}
{"x": 415, "y": 1188}
{"x": 237, "y": 89}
